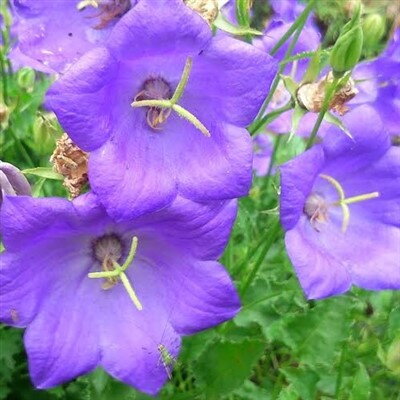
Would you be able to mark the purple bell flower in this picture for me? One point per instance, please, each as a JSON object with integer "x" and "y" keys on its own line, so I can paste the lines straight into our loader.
{"x": 92, "y": 293}
{"x": 341, "y": 211}
{"x": 52, "y": 35}
{"x": 162, "y": 109}
{"x": 379, "y": 84}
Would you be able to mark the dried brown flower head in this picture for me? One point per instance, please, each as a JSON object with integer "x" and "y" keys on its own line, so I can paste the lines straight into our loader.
{"x": 71, "y": 162}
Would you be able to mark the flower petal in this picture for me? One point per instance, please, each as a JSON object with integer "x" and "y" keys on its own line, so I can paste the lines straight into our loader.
{"x": 238, "y": 77}
{"x": 130, "y": 338}
{"x": 221, "y": 164}
{"x": 297, "y": 179}
{"x": 321, "y": 273}
{"x": 131, "y": 174}
{"x": 62, "y": 341}
{"x": 81, "y": 99}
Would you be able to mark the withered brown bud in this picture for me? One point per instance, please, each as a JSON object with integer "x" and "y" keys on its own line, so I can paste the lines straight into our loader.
{"x": 311, "y": 95}
{"x": 208, "y": 9}
{"x": 71, "y": 162}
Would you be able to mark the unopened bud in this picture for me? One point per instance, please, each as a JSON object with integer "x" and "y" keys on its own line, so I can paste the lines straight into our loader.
{"x": 374, "y": 27}
{"x": 26, "y": 78}
{"x": 12, "y": 181}
{"x": 45, "y": 132}
{"x": 207, "y": 9}
{"x": 347, "y": 50}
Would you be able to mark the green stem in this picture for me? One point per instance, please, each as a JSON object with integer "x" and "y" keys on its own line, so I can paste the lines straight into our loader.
{"x": 295, "y": 25}
{"x": 325, "y": 106}
{"x": 272, "y": 232}
{"x": 300, "y": 22}
{"x": 340, "y": 370}
{"x": 257, "y": 126}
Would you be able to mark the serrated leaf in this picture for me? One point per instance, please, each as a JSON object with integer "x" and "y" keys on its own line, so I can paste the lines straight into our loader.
{"x": 43, "y": 172}
{"x": 224, "y": 25}
{"x": 303, "y": 380}
{"x": 361, "y": 385}
{"x": 225, "y": 365}
{"x": 317, "y": 336}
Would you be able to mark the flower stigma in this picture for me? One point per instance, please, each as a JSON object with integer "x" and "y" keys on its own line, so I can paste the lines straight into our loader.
{"x": 316, "y": 206}
{"x": 108, "y": 10}
{"x": 159, "y": 107}
{"x": 108, "y": 250}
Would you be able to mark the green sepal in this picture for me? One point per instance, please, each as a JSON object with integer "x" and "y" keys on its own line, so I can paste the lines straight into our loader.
{"x": 43, "y": 172}
{"x": 332, "y": 119}
{"x": 297, "y": 115}
{"x": 224, "y": 25}
{"x": 290, "y": 85}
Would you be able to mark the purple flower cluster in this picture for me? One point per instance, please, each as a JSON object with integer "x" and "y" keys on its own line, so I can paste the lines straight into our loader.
{"x": 115, "y": 277}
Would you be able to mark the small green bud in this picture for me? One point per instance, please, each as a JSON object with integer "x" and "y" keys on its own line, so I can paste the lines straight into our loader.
{"x": 45, "y": 133}
{"x": 347, "y": 50}
{"x": 26, "y": 78}
{"x": 374, "y": 27}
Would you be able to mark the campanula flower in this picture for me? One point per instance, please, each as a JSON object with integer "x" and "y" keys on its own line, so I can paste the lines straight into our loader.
{"x": 52, "y": 35}
{"x": 162, "y": 109}
{"x": 91, "y": 292}
{"x": 340, "y": 207}
{"x": 378, "y": 82}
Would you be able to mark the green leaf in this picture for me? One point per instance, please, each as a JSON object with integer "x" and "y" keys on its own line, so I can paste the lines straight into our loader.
{"x": 224, "y": 25}
{"x": 316, "y": 336}
{"x": 361, "y": 385}
{"x": 224, "y": 365}
{"x": 251, "y": 391}
{"x": 304, "y": 381}
{"x": 43, "y": 172}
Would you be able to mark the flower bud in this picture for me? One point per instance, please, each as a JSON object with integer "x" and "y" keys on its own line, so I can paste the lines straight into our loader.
{"x": 12, "y": 181}
{"x": 26, "y": 78}
{"x": 374, "y": 27}
{"x": 347, "y": 50}
{"x": 45, "y": 133}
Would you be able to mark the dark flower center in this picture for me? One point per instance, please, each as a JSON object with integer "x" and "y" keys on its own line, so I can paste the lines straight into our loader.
{"x": 108, "y": 249}
{"x": 316, "y": 209}
{"x": 155, "y": 89}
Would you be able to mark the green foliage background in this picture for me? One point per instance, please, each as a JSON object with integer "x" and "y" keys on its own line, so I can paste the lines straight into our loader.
{"x": 280, "y": 346}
